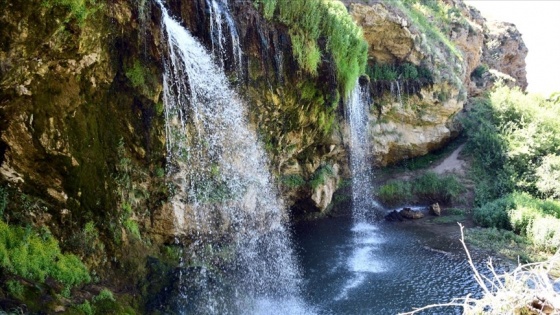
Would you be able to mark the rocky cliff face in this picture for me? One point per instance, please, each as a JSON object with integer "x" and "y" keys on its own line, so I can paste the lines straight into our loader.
{"x": 411, "y": 117}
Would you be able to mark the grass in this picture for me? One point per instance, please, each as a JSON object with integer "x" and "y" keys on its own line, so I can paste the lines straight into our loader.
{"x": 451, "y": 215}
{"x": 309, "y": 22}
{"x": 432, "y": 17}
{"x": 503, "y": 242}
{"x": 392, "y": 72}
{"x": 427, "y": 188}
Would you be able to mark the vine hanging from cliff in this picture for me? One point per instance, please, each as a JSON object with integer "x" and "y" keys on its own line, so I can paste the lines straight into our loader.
{"x": 312, "y": 21}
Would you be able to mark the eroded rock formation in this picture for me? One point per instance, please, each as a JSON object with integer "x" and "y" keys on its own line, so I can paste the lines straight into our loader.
{"x": 410, "y": 118}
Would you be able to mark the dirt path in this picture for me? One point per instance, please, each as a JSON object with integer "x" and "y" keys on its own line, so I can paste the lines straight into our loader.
{"x": 451, "y": 164}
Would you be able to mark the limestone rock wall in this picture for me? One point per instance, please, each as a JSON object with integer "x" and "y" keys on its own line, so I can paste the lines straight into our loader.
{"x": 411, "y": 119}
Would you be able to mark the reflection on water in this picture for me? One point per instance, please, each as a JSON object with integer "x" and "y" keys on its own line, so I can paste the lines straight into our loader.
{"x": 379, "y": 268}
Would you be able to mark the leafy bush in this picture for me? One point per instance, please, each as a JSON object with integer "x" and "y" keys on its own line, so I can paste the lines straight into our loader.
{"x": 36, "y": 256}
{"x": 494, "y": 213}
{"x": 104, "y": 295}
{"x": 321, "y": 176}
{"x": 136, "y": 74}
{"x": 514, "y": 138}
{"x": 548, "y": 174}
{"x": 538, "y": 220}
{"x": 132, "y": 227}
{"x": 15, "y": 288}
{"x": 86, "y": 308}
{"x": 292, "y": 180}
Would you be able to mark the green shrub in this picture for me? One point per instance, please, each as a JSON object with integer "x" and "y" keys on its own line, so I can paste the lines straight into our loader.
{"x": 321, "y": 176}
{"x": 435, "y": 188}
{"x": 79, "y": 9}
{"x": 292, "y": 180}
{"x": 427, "y": 188}
{"x": 548, "y": 174}
{"x": 15, "y": 288}
{"x": 36, "y": 256}
{"x": 86, "y": 308}
{"x": 104, "y": 295}
{"x": 132, "y": 228}
{"x": 392, "y": 72}
{"x": 513, "y": 138}
{"x": 394, "y": 193}
{"x": 136, "y": 74}
{"x": 538, "y": 220}
{"x": 494, "y": 214}
{"x": 382, "y": 72}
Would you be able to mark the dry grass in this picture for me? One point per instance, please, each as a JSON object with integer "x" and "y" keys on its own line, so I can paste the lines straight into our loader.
{"x": 526, "y": 290}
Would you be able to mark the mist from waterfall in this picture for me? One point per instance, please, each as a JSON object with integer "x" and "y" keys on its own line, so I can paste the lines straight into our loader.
{"x": 240, "y": 259}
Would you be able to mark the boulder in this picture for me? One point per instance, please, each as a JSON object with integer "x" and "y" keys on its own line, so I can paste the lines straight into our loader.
{"x": 435, "y": 209}
{"x": 411, "y": 214}
{"x": 394, "y": 216}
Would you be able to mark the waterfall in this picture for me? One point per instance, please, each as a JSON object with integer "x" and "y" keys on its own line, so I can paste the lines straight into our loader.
{"x": 363, "y": 260}
{"x": 399, "y": 96}
{"x": 357, "y": 108}
{"x": 396, "y": 94}
{"x": 220, "y": 19}
{"x": 239, "y": 260}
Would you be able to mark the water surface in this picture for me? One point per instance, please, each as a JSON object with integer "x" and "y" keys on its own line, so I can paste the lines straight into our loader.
{"x": 379, "y": 268}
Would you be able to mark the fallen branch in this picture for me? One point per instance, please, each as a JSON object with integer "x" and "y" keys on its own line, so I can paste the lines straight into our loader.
{"x": 525, "y": 290}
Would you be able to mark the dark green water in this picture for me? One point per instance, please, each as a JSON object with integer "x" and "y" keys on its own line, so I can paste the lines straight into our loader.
{"x": 378, "y": 268}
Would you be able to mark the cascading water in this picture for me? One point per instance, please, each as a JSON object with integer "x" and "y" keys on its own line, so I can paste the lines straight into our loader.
{"x": 399, "y": 95}
{"x": 241, "y": 260}
{"x": 396, "y": 94}
{"x": 220, "y": 19}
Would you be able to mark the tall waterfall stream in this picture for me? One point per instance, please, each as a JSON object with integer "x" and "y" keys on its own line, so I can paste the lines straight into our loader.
{"x": 241, "y": 260}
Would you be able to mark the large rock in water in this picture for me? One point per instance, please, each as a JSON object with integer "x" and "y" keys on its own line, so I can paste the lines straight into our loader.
{"x": 435, "y": 209}
{"x": 411, "y": 214}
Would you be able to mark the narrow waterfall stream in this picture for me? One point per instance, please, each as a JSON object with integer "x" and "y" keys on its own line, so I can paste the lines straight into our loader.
{"x": 220, "y": 18}
{"x": 241, "y": 258}
{"x": 357, "y": 108}
{"x": 364, "y": 258}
